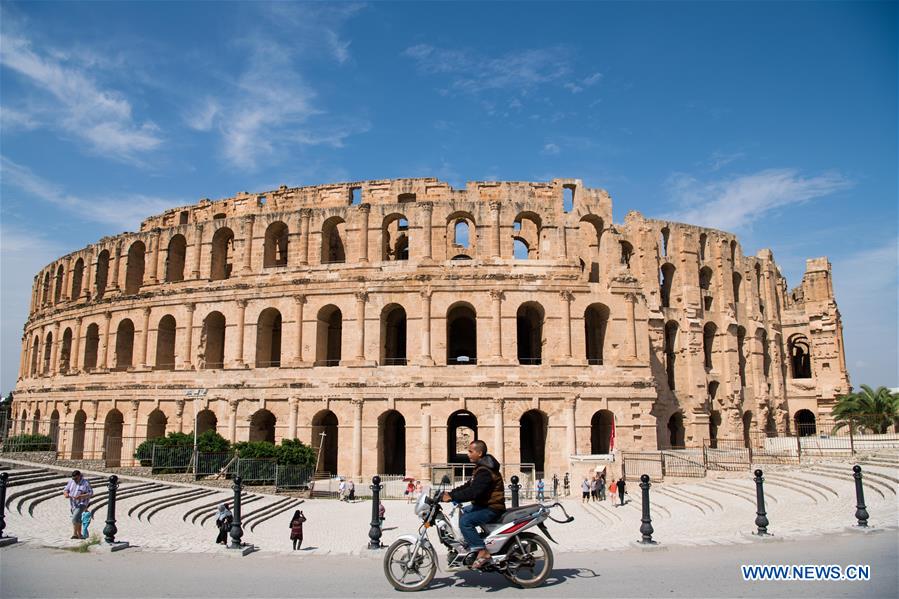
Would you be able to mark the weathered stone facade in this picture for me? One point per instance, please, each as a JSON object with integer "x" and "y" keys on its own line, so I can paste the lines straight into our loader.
{"x": 387, "y": 314}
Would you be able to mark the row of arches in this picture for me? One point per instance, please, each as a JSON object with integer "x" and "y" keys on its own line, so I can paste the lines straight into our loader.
{"x": 667, "y": 274}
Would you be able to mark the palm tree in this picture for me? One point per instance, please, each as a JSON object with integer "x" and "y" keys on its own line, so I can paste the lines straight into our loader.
{"x": 867, "y": 409}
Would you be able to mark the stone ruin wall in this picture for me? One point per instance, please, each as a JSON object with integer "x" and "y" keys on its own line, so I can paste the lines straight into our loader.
{"x": 576, "y": 259}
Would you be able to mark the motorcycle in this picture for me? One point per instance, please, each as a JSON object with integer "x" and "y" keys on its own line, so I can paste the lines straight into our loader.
{"x": 523, "y": 557}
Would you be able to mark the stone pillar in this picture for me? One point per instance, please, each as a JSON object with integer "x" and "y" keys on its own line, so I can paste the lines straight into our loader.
{"x": 364, "y": 210}
{"x": 144, "y": 340}
{"x": 22, "y": 357}
{"x": 54, "y": 350}
{"x": 154, "y": 264}
{"x": 129, "y": 447}
{"x": 188, "y": 336}
{"x": 104, "y": 351}
{"x": 305, "y": 215}
{"x": 570, "y": 427}
{"x": 426, "y": 358}
{"x": 116, "y": 266}
{"x": 179, "y": 415}
{"x": 495, "y": 213}
{"x": 87, "y": 275}
{"x": 563, "y": 240}
{"x": 496, "y": 326}
{"x": 300, "y": 301}
{"x": 357, "y": 438}
{"x": 426, "y": 233}
{"x": 425, "y": 440}
{"x": 66, "y": 280}
{"x": 248, "y": 244}
{"x": 76, "y": 346}
{"x": 361, "y": 298}
{"x": 293, "y": 404}
{"x": 232, "y": 419}
{"x": 499, "y": 438}
{"x": 567, "y": 297}
{"x": 198, "y": 250}
{"x": 630, "y": 301}
{"x": 241, "y": 325}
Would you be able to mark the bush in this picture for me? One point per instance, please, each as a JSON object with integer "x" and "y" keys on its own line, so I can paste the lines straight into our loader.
{"x": 209, "y": 441}
{"x": 28, "y": 443}
{"x": 291, "y": 451}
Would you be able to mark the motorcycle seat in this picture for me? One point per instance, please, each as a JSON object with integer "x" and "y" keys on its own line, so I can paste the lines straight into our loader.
{"x": 518, "y": 512}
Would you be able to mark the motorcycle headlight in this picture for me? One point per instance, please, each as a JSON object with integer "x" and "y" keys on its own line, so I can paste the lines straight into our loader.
{"x": 421, "y": 506}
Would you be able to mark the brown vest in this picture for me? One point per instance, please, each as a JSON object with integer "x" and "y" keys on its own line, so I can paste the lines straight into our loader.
{"x": 497, "y": 498}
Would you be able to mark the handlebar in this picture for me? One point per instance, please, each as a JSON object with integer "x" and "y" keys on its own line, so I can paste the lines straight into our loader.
{"x": 561, "y": 507}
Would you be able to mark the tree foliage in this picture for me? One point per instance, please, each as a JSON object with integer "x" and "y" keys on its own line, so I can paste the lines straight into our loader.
{"x": 867, "y": 410}
{"x": 28, "y": 443}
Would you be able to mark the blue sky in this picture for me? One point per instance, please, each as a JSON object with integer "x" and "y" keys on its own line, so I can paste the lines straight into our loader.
{"x": 774, "y": 121}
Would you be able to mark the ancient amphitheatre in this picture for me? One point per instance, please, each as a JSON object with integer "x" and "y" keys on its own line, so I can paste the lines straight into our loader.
{"x": 396, "y": 316}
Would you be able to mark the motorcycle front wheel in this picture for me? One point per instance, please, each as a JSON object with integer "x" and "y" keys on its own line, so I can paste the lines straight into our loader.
{"x": 529, "y": 561}
{"x": 407, "y": 572}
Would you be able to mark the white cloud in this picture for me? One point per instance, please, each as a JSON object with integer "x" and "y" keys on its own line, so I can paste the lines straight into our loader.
{"x": 550, "y": 149}
{"x": 735, "y": 202}
{"x": 201, "y": 117}
{"x": 123, "y": 212}
{"x": 78, "y": 105}
{"x": 576, "y": 87}
{"x": 12, "y": 120}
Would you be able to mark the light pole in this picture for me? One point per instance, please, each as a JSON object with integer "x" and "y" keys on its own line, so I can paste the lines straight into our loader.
{"x": 195, "y": 394}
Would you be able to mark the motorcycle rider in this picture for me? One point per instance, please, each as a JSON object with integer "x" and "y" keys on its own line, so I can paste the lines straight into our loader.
{"x": 486, "y": 493}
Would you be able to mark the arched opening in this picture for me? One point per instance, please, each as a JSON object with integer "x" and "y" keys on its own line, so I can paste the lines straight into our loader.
{"x": 590, "y": 230}
{"x": 520, "y": 249}
{"x": 738, "y": 280}
{"x": 670, "y": 349}
{"x": 102, "y": 273}
{"x": 703, "y": 242}
{"x": 741, "y": 354}
{"x": 393, "y": 335}
{"x": 124, "y": 344}
{"x": 166, "y": 332}
{"x": 48, "y": 350}
{"x": 627, "y": 251}
{"x": 36, "y": 422}
{"x": 268, "y": 339}
{"x": 529, "y": 325}
{"x": 329, "y": 335}
{"x": 156, "y": 424}
{"x": 461, "y": 334}
{"x": 91, "y": 346}
{"x": 212, "y": 341}
{"x": 333, "y": 244}
{"x": 461, "y": 236}
{"x": 708, "y": 344}
{"x": 705, "y": 287}
{"x": 800, "y": 357}
{"x": 602, "y": 427}
{"x": 762, "y": 337}
{"x": 676, "y": 431}
{"x": 57, "y": 287}
{"x": 275, "y": 246}
{"x": 112, "y": 438}
{"x": 733, "y": 251}
{"x": 54, "y": 428}
{"x": 395, "y": 238}
{"x": 23, "y": 422}
{"x": 77, "y": 279}
{"x": 206, "y": 421}
{"x": 714, "y": 425}
{"x": 45, "y": 293}
{"x": 461, "y": 429}
{"x": 533, "y": 425}
{"x": 222, "y": 254}
{"x": 65, "y": 352}
{"x": 805, "y": 425}
{"x": 391, "y": 443}
{"x": 527, "y": 229}
{"x": 596, "y": 321}
{"x": 324, "y": 438}
{"x": 663, "y": 242}
{"x": 78, "y": 427}
{"x": 747, "y": 429}
{"x": 134, "y": 270}
{"x": 175, "y": 257}
{"x": 262, "y": 426}
{"x": 666, "y": 283}
{"x": 35, "y": 355}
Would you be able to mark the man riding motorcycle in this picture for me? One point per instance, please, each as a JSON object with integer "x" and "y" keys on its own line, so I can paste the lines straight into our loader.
{"x": 486, "y": 493}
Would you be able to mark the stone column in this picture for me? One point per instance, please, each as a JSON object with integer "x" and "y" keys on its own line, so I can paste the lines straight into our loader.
{"x": 144, "y": 340}
{"x": 305, "y": 215}
{"x": 104, "y": 351}
{"x": 54, "y": 350}
{"x": 496, "y": 326}
{"x": 87, "y": 275}
{"x": 563, "y": 240}
{"x": 495, "y": 213}
{"x": 129, "y": 447}
{"x": 154, "y": 264}
{"x": 248, "y": 244}
{"x": 232, "y": 419}
{"x": 357, "y": 438}
{"x": 499, "y": 438}
{"x": 241, "y": 325}
{"x": 22, "y": 357}
{"x": 426, "y": 233}
{"x": 361, "y": 298}
{"x": 179, "y": 415}
{"x": 570, "y": 427}
{"x": 66, "y": 280}
{"x": 293, "y": 404}
{"x": 198, "y": 250}
{"x": 116, "y": 266}
{"x": 567, "y": 297}
{"x": 364, "y": 210}
{"x": 426, "y": 358}
{"x": 188, "y": 336}
{"x": 76, "y": 346}
{"x": 630, "y": 301}
{"x": 300, "y": 301}
{"x": 425, "y": 440}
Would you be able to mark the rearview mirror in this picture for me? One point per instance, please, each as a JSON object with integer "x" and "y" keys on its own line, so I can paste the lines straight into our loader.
{"x": 445, "y": 480}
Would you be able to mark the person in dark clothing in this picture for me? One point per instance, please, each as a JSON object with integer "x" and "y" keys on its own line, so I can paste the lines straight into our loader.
{"x": 486, "y": 493}
{"x": 296, "y": 529}
{"x": 223, "y": 520}
{"x": 621, "y": 490}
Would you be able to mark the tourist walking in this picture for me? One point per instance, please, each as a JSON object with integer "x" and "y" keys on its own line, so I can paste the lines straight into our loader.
{"x": 79, "y": 492}
{"x": 602, "y": 487}
{"x": 417, "y": 489}
{"x": 555, "y": 485}
{"x": 566, "y": 484}
{"x": 410, "y": 492}
{"x": 585, "y": 491}
{"x": 540, "y": 488}
{"x": 341, "y": 490}
{"x": 223, "y": 520}
{"x": 382, "y": 512}
{"x": 85, "y": 523}
{"x": 594, "y": 489}
{"x": 612, "y": 489}
{"x": 621, "y": 491}
{"x": 351, "y": 490}
{"x": 296, "y": 529}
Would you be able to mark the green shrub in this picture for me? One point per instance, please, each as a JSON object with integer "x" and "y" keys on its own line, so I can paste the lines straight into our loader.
{"x": 28, "y": 443}
{"x": 294, "y": 451}
{"x": 209, "y": 441}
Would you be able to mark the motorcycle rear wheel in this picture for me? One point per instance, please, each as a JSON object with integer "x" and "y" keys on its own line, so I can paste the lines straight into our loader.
{"x": 532, "y": 568}
{"x": 396, "y": 567}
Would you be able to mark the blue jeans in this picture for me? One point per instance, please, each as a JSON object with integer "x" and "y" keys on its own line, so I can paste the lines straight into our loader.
{"x": 473, "y": 515}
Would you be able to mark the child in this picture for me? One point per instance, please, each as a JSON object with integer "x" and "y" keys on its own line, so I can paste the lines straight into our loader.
{"x": 85, "y": 522}
{"x": 382, "y": 512}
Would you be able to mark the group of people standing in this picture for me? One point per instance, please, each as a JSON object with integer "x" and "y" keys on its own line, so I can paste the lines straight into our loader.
{"x": 346, "y": 490}
{"x": 595, "y": 488}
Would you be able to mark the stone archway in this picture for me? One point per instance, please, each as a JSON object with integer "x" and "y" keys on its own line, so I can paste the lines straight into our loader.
{"x": 532, "y": 439}
{"x": 206, "y": 421}
{"x": 804, "y": 421}
{"x": 676, "y": 430}
{"x": 461, "y": 429}
{"x": 602, "y": 426}
{"x": 324, "y": 438}
{"x": 391, "y": 443}
{"x": 262, "y": 426}
{"x": 156, "y": 424}
{"x": 112, "y": 438}
{"x": 78, "y": 428}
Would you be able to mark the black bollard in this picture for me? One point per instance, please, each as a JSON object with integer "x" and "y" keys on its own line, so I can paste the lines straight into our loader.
{"x": 761, "y": 520}
{"x": 236, "y": 527}
{"x": 514, "y": 487}
{"x": 4, "y": 477}
{"x": 861, "y": 512}
{"x": 646, "y": 526}
{"x": 374, "y": 533}
{"x": 110, "y": 530}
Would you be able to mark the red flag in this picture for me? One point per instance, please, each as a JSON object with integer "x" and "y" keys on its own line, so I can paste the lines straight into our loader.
{"x": 612, "y": 437}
